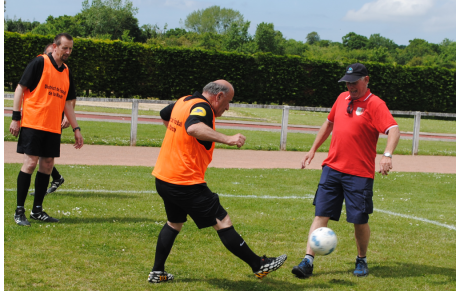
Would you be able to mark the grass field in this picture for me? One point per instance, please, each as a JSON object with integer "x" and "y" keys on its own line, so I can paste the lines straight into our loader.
{"x": 111, "y": 133}
{"x": 110, "y": 218}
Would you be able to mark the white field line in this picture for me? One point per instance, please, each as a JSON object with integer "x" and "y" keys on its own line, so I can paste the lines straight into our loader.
{"x": 306, "y": 196}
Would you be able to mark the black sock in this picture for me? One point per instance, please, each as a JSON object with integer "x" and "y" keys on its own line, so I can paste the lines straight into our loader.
{"x": 55, "y": 174}
{"x": 237, "y": 246}
{"x": 23, "y": 185}
{"x": 41, "y": 184}
{"x": 164, "y": 244}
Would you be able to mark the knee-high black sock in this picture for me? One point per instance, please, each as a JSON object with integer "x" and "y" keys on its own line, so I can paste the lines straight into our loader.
{"x": 41, "y": 183}
{"x": 55, "y": 174}
{"x": 236, "y": 244}
{"x": 23, "y": 187}
{"x": 164, "y": 244}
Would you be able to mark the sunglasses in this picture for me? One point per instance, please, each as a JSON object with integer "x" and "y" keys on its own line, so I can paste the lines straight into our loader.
{"x": 350, "y": 107}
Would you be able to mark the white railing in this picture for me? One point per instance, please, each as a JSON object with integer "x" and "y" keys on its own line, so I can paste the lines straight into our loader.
{"x": 284, "y": 120}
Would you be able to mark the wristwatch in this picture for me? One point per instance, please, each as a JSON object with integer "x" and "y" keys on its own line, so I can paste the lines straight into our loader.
{"x": 388, "y": 155}
{"x": 76, "y": 129}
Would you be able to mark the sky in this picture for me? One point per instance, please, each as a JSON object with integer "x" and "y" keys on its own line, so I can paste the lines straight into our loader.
{"x": 398, "y": 20}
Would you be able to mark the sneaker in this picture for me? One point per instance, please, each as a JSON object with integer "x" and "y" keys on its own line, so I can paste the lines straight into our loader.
{"x": 268, "y": 265}
{"x": 54, "y": 185}
{"x": 361, "y": 269}
{"x": 20, "y": 218}
{"x": 303, "y": 270}
{"x": 43, "y": 216}
{"x": 160, "y": 276}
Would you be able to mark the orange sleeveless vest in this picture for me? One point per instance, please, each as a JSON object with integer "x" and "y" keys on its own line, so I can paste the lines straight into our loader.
{"x": 42, "y": 108}
{"x": 182, "y": 159}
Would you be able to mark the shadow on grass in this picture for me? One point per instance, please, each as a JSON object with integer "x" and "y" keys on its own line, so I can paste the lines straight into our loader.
{"x": 84, "y": 220}
{"x": 404, "y": 270}
{"x": 270, "y": 284}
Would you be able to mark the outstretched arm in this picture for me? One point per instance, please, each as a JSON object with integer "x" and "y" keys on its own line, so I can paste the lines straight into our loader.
{"x": 203, "y": 132}
{"x": 322, "y": 135}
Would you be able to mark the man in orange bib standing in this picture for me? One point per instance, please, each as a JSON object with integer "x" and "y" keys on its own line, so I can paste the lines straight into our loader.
{"x": 180, "y": 168}
{"x": 46, "y": 89}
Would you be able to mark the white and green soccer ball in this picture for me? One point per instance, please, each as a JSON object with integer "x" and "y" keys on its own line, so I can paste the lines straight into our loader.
{"x": 323, "y": 241}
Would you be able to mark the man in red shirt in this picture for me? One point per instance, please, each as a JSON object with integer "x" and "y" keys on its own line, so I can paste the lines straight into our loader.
{"x": 357, "y": 118}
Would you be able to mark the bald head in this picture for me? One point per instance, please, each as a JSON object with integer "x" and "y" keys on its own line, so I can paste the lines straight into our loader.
{"x": 217, "y": 86}
{"x": 219, "y": 94}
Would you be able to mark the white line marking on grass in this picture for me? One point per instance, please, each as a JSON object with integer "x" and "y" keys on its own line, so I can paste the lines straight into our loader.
{"x": 307, "y": 196}
{"x": 416, "y": 218}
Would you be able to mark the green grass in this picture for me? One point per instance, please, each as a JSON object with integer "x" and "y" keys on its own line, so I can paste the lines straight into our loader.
{"x": 295, "y": 117}
{"x": 111, "y": 133}
{"x": 107, "y": 235}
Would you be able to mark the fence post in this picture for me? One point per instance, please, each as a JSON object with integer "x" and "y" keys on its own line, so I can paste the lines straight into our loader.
{"x": 284, "y": 128}
{"x": 134, "y": 112}
{"x": 416, "y": 132}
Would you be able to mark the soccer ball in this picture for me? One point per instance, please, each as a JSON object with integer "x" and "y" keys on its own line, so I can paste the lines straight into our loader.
{"x": 323, "y": 241}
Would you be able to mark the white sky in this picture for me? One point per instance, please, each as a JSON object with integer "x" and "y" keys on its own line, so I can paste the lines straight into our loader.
{"x": 399, "y": 20}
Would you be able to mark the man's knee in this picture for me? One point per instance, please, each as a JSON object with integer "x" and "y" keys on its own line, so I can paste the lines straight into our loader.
{"x": 30, "y": 163}
{"x": 46, "y": 165}
{"x": 226, "y": 222}
{"x": 175, "y": 225}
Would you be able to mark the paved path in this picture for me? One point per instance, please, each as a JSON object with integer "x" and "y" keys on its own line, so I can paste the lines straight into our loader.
{"x": 146, "y": 156}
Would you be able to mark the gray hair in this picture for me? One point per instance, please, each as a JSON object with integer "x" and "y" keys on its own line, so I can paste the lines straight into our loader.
{"x": 215, "y": 88}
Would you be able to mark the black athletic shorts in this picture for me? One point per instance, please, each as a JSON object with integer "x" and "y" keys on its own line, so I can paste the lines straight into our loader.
{"x": 39, "y": 143}
{"x": 198, "y": 201}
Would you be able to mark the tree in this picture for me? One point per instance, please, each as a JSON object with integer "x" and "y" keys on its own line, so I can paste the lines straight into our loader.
{"x": 312, "y": 37}
{"x": 268, "y": 39}
{"x": 17, "y": 25}
{"x": 237, "y": 37}
{"x": 376, "y": 41}
{"x": 354, "y": 41}
{"x": 212, "y": 19}
{"x": 112, "y": 17}
{"x": 72, "y": 25}
{"x": 294, "y": 47}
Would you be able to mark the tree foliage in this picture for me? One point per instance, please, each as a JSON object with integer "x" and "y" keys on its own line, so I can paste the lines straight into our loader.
{"x": 354, "y": 41}
{"x": 312, "y": 37}
{"x": 18, "y": 25}
{"x": 212, "y": 19}
{"x": 110, "y": 17}
{"x": 222, "y": 29}
{"x": 268, "y": 39}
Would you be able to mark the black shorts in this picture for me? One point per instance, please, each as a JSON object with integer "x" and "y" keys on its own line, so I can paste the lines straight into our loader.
{"x": 198, "y": 201}
{"x": 39, "y": 143}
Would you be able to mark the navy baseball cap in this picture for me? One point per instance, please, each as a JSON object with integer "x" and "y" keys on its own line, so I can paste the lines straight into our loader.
{"x": 354, "y": 72}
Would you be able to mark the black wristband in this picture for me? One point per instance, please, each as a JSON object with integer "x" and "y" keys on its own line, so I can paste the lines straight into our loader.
{"x": 17, "y": 115}
{"x": 76, "y": 128}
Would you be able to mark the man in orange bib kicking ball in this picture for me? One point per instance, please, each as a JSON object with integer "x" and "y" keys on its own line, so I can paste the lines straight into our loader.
{"x": 184, "y": 157}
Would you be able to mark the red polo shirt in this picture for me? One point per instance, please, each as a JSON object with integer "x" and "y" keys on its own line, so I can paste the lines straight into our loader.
{"x": 355, "y": 135}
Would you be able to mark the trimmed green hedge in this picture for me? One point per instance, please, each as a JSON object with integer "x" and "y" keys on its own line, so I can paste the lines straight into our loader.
{"x": 115, "y": 68}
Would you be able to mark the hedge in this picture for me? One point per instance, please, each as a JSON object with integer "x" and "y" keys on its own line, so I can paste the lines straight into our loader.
{"x": 120, "y": 69}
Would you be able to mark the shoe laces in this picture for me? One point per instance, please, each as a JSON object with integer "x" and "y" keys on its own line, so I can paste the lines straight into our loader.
{"x": 360, "y": 264}
{"x": 305, "y": 263}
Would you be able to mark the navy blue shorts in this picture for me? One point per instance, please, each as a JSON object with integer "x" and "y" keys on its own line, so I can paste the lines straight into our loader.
{"x": 198, "y": 201}
{"x": 334, "y": 187}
